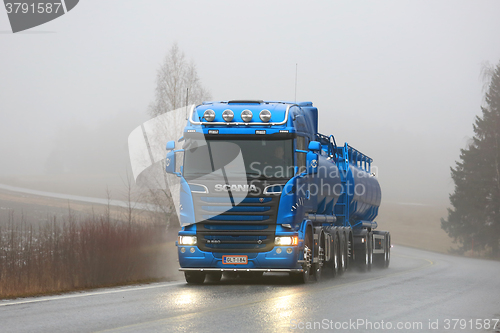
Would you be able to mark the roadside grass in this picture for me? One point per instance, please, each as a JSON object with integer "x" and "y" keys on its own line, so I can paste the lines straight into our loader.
{"x": 80, "y": 253}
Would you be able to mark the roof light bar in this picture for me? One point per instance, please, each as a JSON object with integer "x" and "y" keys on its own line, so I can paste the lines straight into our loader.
{"x": 194, "y": 116}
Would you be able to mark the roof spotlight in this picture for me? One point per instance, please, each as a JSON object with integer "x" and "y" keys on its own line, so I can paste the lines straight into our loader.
{"x": 228, "y": 115}
{"x": 246, "y": 115}
{"x": 209, "y": 115}
{"x": 265, "y": 115}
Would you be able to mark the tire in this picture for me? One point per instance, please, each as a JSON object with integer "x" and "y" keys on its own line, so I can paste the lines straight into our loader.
{"x": 194, "y": 277}
{"x": 364, "y": 258}
{"x": 303, "y": 277}
{"x": 346, "y": 249}
{"x": 370, "y": 251}
{"x": 316, "y": 272}
{"x": 214, "y": 277}
{"x": 318, "y": 267}
{"x": 342, "y": 253}
{"x": 334, "y": 262}
{"x": 382, "y": 260}
{"x": 388, "y": 252}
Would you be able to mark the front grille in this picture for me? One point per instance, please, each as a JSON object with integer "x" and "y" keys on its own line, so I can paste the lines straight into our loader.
{"x": 249, "y": 226}
{"x": 235, "y": 237}
{"x": 249, "y": 210}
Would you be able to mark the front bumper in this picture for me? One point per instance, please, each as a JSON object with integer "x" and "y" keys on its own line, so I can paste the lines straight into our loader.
{"x": 280, "y": 270}
{"x": 279, "y": 259}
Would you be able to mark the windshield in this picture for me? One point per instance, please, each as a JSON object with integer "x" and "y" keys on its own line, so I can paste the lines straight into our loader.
{"x": 261, "y": 158}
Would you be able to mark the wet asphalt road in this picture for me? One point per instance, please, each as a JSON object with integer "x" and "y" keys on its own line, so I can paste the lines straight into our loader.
{"x": 419, "y": 289}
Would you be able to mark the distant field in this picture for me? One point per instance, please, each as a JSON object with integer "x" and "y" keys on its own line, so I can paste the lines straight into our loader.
{"x": 36, "y": 209}
{"x": 83, "y": 185}
{"x": 415, "y": 226}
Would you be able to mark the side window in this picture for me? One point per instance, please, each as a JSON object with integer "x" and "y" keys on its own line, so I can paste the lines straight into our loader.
{"x": 301, "y": 157}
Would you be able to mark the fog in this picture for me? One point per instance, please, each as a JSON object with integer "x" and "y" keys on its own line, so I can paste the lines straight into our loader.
{"x": 398, "y": 80}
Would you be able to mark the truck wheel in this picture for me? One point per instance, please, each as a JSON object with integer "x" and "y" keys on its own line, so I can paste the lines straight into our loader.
{"x": 342, "y": 254}
{"x": 370, "y": 251}
{"x": 382, "y": 259}
{"x": 214, "y": 277}
{"x": 347, "y": 244}
{"x": 303, "y": 277}
{"x": 335, "y": 256}
{"x": 316, "y": 270}
{"x": 364, "y": 255}
{"x": 317, "y": 267}
{"x": 388, "y": 252}
{"x": 194, "y": 277}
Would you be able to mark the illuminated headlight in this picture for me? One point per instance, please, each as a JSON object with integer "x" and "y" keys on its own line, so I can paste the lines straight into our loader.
{"x": 286, "y": 241}
{"x": 187, "y": 240}
{"x": 265, "y": 115}
{"x": 228, "y": 115}
{"x": 246, "y": 115}
{"x": 209, "y": 115}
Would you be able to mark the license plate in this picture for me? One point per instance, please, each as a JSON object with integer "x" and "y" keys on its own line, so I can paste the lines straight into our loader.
{"x": 235, "y": 260}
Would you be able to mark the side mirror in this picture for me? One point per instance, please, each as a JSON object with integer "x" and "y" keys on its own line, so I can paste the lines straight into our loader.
{"x": 312, "y": 162}
{"x": 170, "y": 145}
{"x": 314, "y": 146}
{"x": 171, "y": 163}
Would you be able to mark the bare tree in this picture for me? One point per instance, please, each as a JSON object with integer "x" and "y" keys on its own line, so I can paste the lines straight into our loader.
{"x": 177, "y": 85}
{"x": 174, "y": 79}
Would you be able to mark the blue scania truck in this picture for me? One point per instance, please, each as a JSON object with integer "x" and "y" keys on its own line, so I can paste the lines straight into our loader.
{"x": 262, "y": 191}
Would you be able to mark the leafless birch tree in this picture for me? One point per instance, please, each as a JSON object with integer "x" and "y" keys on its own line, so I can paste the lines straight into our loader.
{"x": 177, "y": 79}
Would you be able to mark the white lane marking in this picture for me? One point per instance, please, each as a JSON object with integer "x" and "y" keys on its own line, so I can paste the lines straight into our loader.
{"x": 86, "y": 294}
{"x": 99, "y": 201}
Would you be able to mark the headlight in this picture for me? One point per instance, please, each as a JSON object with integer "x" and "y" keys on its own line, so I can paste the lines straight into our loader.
{"x": 265, "y": 115}
{"x": 227, "y": 115}
{"x": 246, "y": 115}
{"x": 286, "y": 241}
{"x": 187, "y": 240}
{"x": 209, "y": 115}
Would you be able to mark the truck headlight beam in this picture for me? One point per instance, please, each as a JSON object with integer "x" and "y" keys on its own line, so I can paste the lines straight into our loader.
{"x": 286, "y": 240}
{"x": 187, "y": 240}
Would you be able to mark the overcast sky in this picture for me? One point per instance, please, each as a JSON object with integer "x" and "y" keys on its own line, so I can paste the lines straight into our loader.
{"x": 399, "y": 80}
